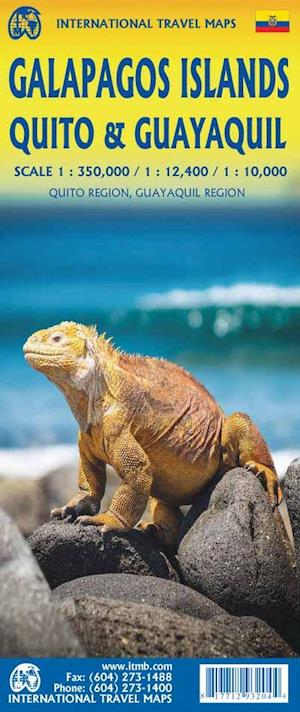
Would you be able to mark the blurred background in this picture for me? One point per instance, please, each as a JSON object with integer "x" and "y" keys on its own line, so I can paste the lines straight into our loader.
{"x": 217, "y": 291}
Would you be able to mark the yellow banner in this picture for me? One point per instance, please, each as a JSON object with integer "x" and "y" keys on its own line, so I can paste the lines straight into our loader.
{"x": 280, "y": 15}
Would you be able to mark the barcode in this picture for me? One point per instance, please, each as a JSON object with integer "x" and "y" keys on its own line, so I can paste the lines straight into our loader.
{"x": 243, "y": 683}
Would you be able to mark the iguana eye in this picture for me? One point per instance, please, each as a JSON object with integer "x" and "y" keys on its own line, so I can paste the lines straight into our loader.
{"x": 57, "y": 338}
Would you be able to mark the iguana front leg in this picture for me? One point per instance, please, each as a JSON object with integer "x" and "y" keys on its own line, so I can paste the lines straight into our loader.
{"x": 130, "y": 499}
{"x": 92, "y": 481}
{"x": 242, "y": 444}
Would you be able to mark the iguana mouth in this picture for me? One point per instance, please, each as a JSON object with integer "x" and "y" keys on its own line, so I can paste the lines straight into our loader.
{"x": 29, "y": 352}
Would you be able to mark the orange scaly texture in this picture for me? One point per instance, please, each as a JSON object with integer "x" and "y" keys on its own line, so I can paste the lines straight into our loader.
{"x": 159, "y": 428}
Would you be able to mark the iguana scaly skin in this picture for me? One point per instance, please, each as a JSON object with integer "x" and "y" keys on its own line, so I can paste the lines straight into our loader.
{"x": 159, "y": 428}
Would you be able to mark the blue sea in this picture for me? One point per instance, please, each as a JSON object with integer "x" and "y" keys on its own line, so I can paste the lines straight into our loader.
{"x": 216, "y": 290}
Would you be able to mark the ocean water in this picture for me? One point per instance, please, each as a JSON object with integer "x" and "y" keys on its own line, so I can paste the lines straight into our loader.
{"x": 217, "y": 291}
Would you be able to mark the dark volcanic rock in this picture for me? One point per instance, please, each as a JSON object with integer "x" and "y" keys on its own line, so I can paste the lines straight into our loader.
{"x": 66, "y": 551}
{"x": 292, "y": 496}
{"x": 115, "y": 629}
{"x": 235, "y": 553}
{"x": 199, "y": 506}
{"x": 258, "y": 635}
{"x": 141, "y": 589}
{"x": 30, "y": 625}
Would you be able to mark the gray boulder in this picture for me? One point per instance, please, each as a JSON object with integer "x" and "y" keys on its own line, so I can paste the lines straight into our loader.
{"x": 30, "y": 625}
{"x": 236, "y": 553}
{"x": 118, "y": 629}
{"x": 28, "y": 501}
{"x": 292, "y": 496}
{"x": 258, "y": 635}
{"x": 24, "y": 501}
{"x": 153, "y": 591}
{"x": 67, "y": 551}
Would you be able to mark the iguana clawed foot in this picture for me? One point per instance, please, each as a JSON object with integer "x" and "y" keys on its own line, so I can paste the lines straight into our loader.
{"x": 105, "y": 521}
{"x": 74, "y": 513}
{"x": 268, "y": 479}
{"x": 81, "y": 504}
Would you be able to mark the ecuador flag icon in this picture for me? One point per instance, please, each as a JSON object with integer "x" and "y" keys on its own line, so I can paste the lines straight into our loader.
{"x": 272, "y": 21}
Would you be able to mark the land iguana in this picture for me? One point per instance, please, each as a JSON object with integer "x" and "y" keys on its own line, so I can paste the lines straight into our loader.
{"x": 159, "y": 428}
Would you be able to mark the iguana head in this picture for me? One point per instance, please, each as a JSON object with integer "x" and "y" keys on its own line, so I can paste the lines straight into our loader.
{"x": 66, "y": 347}
{"x": 68, "y": 355}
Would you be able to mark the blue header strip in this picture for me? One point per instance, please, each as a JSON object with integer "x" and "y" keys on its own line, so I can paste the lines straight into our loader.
{"x": 279, "y": 23}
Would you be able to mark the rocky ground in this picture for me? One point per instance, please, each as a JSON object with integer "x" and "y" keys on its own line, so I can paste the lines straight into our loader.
{"x": 231, "y": 590}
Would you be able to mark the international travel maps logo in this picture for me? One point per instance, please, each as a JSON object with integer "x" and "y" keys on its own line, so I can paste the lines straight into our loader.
{"x": 24, "y": 20}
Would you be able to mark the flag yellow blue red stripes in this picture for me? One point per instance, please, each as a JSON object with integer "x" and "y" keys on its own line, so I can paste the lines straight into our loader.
{"x": 272, "y": 21}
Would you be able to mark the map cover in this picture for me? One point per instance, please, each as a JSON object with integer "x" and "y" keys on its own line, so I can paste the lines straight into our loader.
{"x": 149, "y": 351}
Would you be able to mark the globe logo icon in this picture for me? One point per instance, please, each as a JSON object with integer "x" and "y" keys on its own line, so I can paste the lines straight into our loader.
{"x": 24, "y": 21}
{"x": 25, "y": 675}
